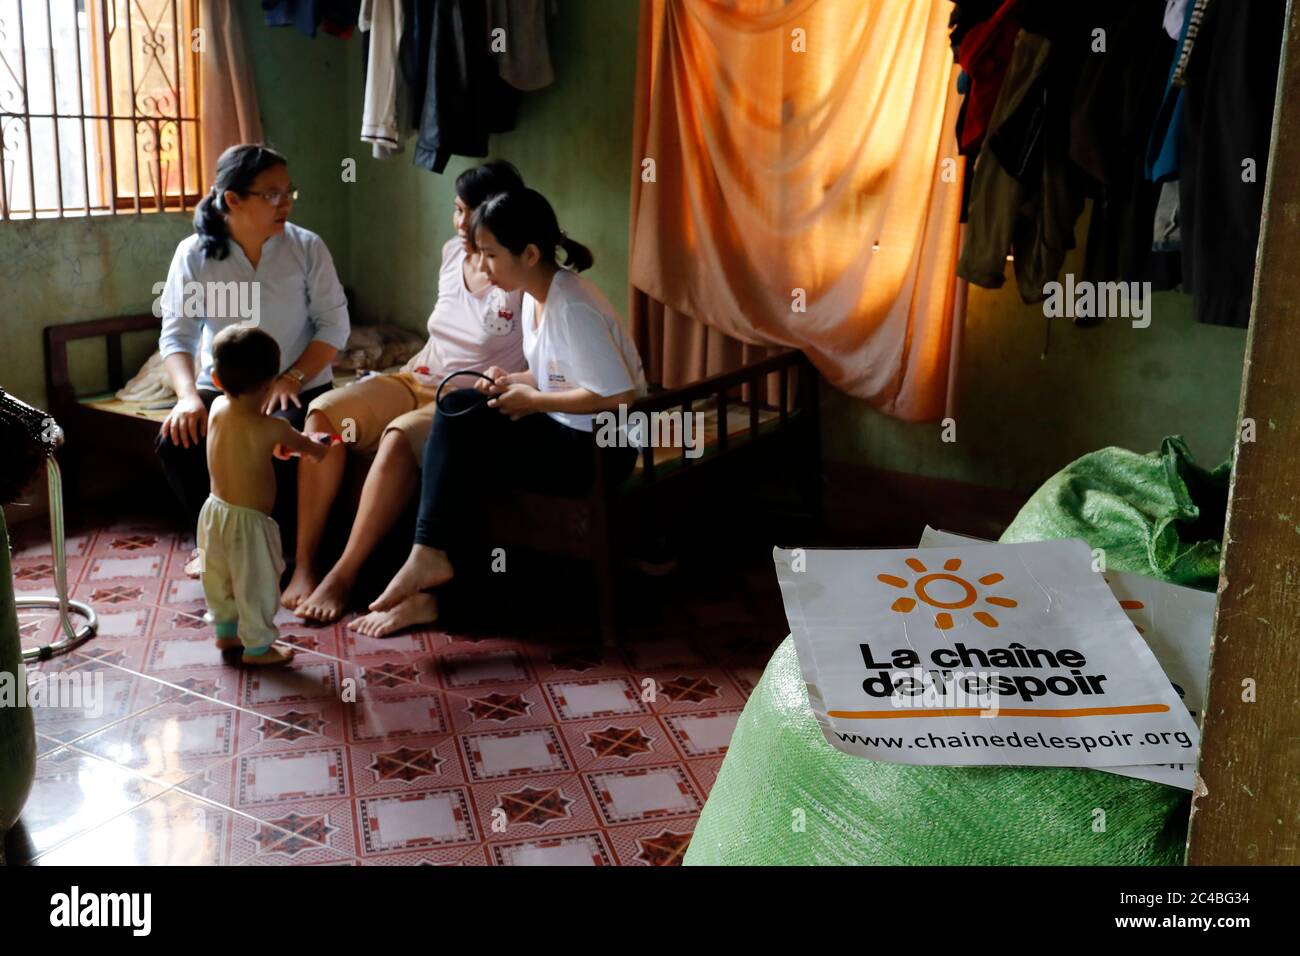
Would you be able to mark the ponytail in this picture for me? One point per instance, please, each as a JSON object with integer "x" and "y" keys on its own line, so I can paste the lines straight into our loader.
{"x": 237, "y": 167}
{"x": 521, "y": 218}
{"x": 210, "y": 226}
{"x": 576, "y": 256}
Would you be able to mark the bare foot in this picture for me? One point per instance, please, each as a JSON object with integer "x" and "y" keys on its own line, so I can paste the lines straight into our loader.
{"x": 327, "y": 602}
{"x": 300, "y": 586}
{"x": 273, "y": 657}
{"x": 420, "y": 608}
{"x": 194, "y": 566}
{"x": 425, "y": 568}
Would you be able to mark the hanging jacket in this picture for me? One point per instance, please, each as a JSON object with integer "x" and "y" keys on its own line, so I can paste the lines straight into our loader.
{"x": 524, "y": 60}
{"x": 1164, "y": 148}
{"x": 983, "y": 54}
{"x": 465, "y": 98}
{"x": 1027, "y": 196}
{"x": 413, "y": 58}
{"x": 1231, "y": 81}
{"x": 1115, "y": 102}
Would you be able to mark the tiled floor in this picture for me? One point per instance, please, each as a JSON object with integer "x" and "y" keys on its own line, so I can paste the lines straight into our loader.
{"x": 427, "y": 748}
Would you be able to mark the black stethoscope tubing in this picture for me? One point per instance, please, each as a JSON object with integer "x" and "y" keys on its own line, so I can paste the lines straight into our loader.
{"x": 437, "y": 398}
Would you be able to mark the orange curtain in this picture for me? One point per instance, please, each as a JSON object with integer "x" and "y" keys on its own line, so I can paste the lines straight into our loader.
{"x": 229, "y": 98}
{"x": 789, "y": 187}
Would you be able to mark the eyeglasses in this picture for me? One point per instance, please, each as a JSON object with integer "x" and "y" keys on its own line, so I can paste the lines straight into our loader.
{"x": 277, "y": 196}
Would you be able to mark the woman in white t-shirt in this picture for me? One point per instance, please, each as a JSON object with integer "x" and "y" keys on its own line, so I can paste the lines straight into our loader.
{"x": 474, "y": 325}
{"x": 536, "y": 431}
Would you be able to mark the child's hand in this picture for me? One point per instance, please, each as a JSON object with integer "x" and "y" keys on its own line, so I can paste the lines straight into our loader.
{"x": 322, "y": 442}
{"x": 279, "y": 451}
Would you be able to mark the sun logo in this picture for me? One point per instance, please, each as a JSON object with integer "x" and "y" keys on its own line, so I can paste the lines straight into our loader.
{"x": 941, "y": 582}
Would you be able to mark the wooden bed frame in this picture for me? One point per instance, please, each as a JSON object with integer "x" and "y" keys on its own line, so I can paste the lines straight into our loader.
{"x": 110, "y": 439}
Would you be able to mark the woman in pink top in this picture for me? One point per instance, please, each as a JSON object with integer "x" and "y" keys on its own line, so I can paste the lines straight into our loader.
{"x": 474, "y": 325}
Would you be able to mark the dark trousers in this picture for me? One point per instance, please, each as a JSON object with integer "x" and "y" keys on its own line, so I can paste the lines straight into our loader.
{"x": 186, "y": 469}
{"x": 468, "y": 457}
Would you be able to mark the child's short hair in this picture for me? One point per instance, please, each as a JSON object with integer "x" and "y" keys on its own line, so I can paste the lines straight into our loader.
{"x": 245, "y": 358}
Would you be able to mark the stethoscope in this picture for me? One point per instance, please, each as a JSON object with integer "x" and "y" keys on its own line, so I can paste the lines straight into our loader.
{"x": 437, "y": 398}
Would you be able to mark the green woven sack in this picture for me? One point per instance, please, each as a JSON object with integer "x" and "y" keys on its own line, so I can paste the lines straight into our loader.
{"x": 786, "y": 797}
{"x": 1160, "y": 514}
{"x": 17, "y": 730}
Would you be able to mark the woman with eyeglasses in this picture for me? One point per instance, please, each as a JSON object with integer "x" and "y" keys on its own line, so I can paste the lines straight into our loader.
{"x": 245, "y": 263}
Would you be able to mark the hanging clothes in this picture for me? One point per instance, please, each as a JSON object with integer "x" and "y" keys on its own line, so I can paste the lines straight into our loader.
{"x": 1165, "y": 145}
{"x": 521, "y": 49}
{"x": 1197, "y": 13}
{"x": 1175, "y": 14}
{"x": 1164, "y": 152}
{"x": 965, "y": 16}
{"x": 337, "y": 17}
{"x": 1027, "y": 195}
{"x": 1231, "y": 83}
{"x": 465, "y": 99}
{"x": 413, "y": 58}
{"x": 983, "y": 53}
{"x": 1116, "y": 101}
{"x": 383, "y": 21}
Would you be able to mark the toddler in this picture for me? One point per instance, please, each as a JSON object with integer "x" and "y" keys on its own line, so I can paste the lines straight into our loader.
{"x": 238, "y": 540}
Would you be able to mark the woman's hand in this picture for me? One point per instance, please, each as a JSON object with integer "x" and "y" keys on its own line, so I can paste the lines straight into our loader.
{"x": 284, "y": 391}
{"x": 517, "y": 400}
{"x": 187, "y": 422}
{"x": 500, "y": 379}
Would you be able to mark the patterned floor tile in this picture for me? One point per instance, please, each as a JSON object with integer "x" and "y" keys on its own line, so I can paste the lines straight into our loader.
{"x": 438, "y": 748}
{"x": 703, "y": 733}
{"x": 75, "y": 792}
{"x": 640, "y": 794}
{"x": 426, "y": 820}
{"x": 402, "y": 766}
{"x": 588, "y": 698}
{"x": 652, "y": 844}
{"x": 575, "y": 849}
{"x": 493, "y": 708}
{"x": 616, "y": 742}
{"x": 530, "y": 806}
{"x": 169, "y": 830}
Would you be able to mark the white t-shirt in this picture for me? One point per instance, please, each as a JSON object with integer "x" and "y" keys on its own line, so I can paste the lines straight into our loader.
{"x": 468, "y": 330}
{"x": 580, "y": 344}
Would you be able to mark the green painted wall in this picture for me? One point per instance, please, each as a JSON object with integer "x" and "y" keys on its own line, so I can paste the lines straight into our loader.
{"x": 1022, "y": 416}
{"x": 573, "y": 143}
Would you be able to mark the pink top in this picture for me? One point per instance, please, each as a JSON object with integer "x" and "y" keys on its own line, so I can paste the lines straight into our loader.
{"x": 468, "y": 330}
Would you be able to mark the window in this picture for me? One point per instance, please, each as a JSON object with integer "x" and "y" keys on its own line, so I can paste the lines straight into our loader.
{"x": 98, "y": 107}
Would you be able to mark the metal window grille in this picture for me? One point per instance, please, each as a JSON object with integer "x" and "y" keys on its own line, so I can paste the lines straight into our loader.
{"x": 99, "y": 107}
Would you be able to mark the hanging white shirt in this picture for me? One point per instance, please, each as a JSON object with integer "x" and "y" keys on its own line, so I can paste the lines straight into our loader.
{"x": 580, "y": 343}
{"x": 379, "y": 126}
